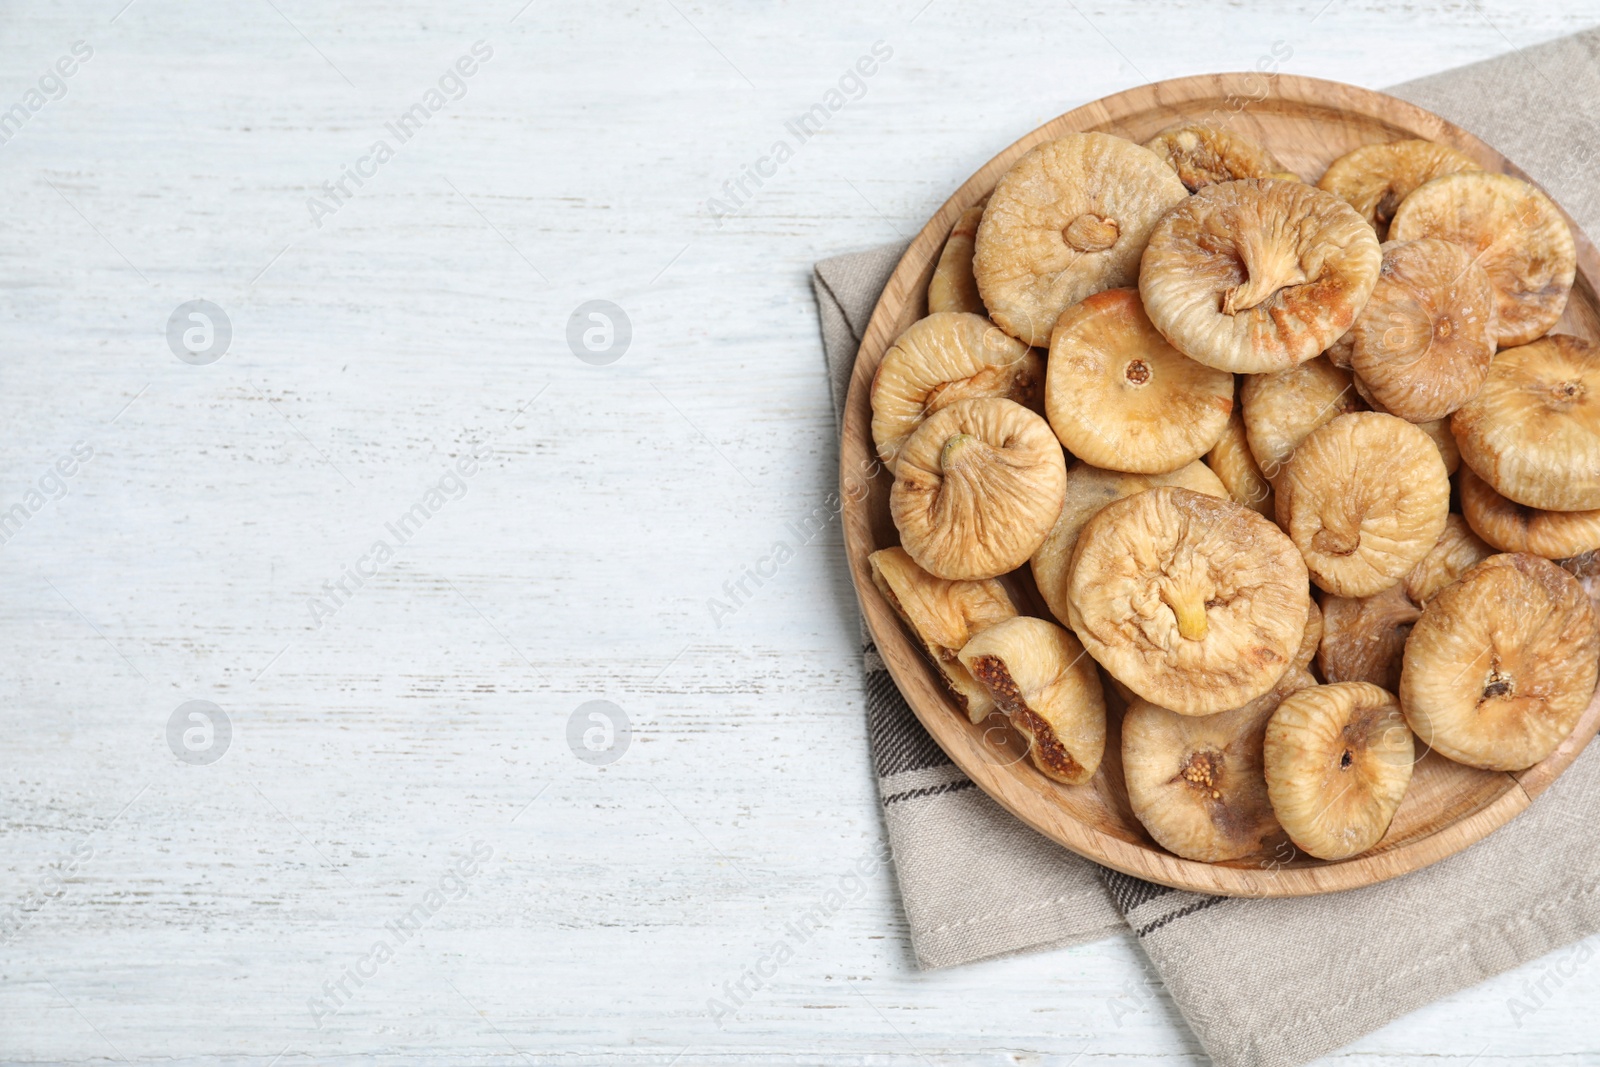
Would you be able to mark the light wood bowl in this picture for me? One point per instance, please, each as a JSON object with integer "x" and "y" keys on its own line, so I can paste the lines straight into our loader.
{"x": 1306, "y": 123}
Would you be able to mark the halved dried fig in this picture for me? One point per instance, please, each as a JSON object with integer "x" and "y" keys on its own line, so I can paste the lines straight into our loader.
{"x": 1120, "y": 397}
{"x": 1258, "y": 275}
{"x": 1088, "y": 490}
{"x": 1533, "y": 430}
{"x": 1337, "y": 760}
{"x": 939, "y": 360}
{"x": 1375, "y": 178}
{"x": 1281, "y": 409}
{"x": 1513, "y": 527}
{"x": 1364, "y": 640}
{"x": 1364, "y": 498}
{"x": 1235, "y": 465}
{"x": 952, "y": 287}
{"x": 1502, "y": 663}
{"x": 977, "y": 487}
{"x": 1047, "y": 686}
{"x": 1196, "y": 604}
{"x": 1456, "y": 552}
{"x": 1196, "y": 782}
{"x": 1069, "y": 219}
{"x": 1423, "y": 343}
{"x": 944, "y": 615}
{"x": 1205, "y": 155}
{"x": 1515, "y": 232}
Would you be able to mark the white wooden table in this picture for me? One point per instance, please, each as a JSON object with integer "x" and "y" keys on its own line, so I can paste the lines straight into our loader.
{"x": 416, "y": 725}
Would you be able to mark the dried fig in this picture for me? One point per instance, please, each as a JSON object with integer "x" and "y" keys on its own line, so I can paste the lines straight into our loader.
{"x": 953, "y": 287}
{"x": 1120, "y": 397}
{"x": 947, "y": 357}
{"x": 1235, "y": 465}
{"x": 1375, "y": 178}
{"x": 1502, "y": 663}
{"x": 1455, "y": 553}
{"x": 1364, "y": 498}
{"x": 1258, "y": 275}
{"x": 1039, "y": 676}
{"x": 1281, "y": 409}
{"x": 1513, "y": 527}
{"x": 1196, "y": 604}
{"x": 1364, "y": 640}
{"x": 1205, "y": 155}
{"x": 1069, "y": 219}
{"x": 1533, "y": 430}
{"x": 1337, "y": 760}
{"x": 1516, "y": 234}
{"x": 944, "y": 615}
{"x": 977, "y": 487}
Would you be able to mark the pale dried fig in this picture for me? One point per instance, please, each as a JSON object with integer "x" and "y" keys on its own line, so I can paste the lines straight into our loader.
{"x": 1502, "y": 663}
{"x": 952, "y": 287}
{"x": 1258, "y": 275}
{"x": 944, "y": 615}
{"x": 1235, "y": 465}
{"x": 1069, "y": 219}
{"x": 1088, "y": 490}
{"x": 1364, "y": 499}
{"x": 1338, "y": 761}
{"x": 1533, "y": 430}
{"x": 1196, "y": 604}
{"x": 1513, "y": 527}
{"x": 1047, "y": 686}
{"x": 1121, "y": 398}
{"x": 947, "y": 357}
{"x": 1455, "y": 553}
{"x": 1516, "y": 234}
{"x": 1364, "y": 640}
{"x": 1375, "y": 178}
{"x": 1280, "y": 409}
{"x": 1205, "y": 155}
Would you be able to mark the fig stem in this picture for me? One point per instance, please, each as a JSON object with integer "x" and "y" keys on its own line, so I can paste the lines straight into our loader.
{"x": 1264, "y": 275}
{"x": 954, "y": 448}
{"x": 1190, "y": 612}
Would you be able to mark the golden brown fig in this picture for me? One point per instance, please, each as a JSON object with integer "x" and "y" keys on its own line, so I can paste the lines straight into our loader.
{"x": 976, "y": 488}
{"x": 947, "y": 357}
{"x": 1315, "y": 627}
{"x": 1364, "y": 640}
{"x": 1364, "y": 498}
{"x": 1533, "y": 430}
{"x": 1513, "y": 527}
{"x": 1502, "y": 663}
{"x": 1423, "y": 343}
{"x": 1088, "y": 490}
{"x": 1119, "y": 397}
{"x": 1515, "y": 232}
{"x": 952, "y": 287}
{"x": 1069, "y": 219}
{"x": 1337, "y": 760}
{"x": 1235, "y": 465}
{"x": 1376, "y": 178}
{"x": 1047, "y": 686}
{"x": 1256, "y": 276}
{"x": 1281, "y": 409}
{"x": 944, "y": 615}
{"x": 1455, "y": 553}
{"x": 1205, "y": 155}
{"x": 1196, "y": 604}
{"x": 1196, "y": 782}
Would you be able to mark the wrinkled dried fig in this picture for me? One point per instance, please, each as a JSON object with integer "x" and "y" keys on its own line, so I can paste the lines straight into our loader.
{"x": 1205, "y": 155}
{"x": 1281, "y": 409}
{"x": 953, "y": 288}
{"x": 1515, "y": 232}
{"x": 1256, "y": 276}
{"x": 1121, "y": 398}
{"x": 944, "y": 615}
{"x": 1337, "y": 760}
{"x": 976, "y": 488}
{"x": 1533, "y": 430}
{"x": 947, "y": 357}
{"x": 1513, "y": 527}
{"x": 1455, "y": 553}
{"x": 1196, "y": 604}
{"x": 1502, "y": 663}
{"x": 1364, "y": 640}
{"x": 1235, "y": 465}
{"x": 1375, "y": 178}
{"x": 1069, "y": 219}
{"x": 1039, "y": 676}
{"x": 1364, "y": 498}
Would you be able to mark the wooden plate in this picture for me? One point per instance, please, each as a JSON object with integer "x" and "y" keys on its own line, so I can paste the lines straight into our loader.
{"x": 1306, "y": 123}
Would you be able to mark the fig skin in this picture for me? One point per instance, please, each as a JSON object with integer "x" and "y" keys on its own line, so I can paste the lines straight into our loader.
{"x": 945, "y": 616}
{"x": 1281, "y": 409}
{"x": 1376, "y": 178}
{"x": 1338, "y": 762}
{"x": 1121, "y": 398}
{"x": 1316, "y": 626}
{"x": 1235, "y": 466}
{"x": 1046, "y": 685}
{"x": 1204, "y": 155}
{"x": 947, "y": 357}
{"x": 1533, "y": 430}
{"x": 1457, "y": 551}
{"x": 1365, "y": 640}
{"x": 1070, "y": 218}
{"x": 1258, "y": 275}
{"x": 1502, "y": 663}
{"x": 1513, "y": 527}
{"x": 1364, "y": 499}
{"x": 1196, "y": 604}
{"x": 952, "y": 287}
{"x": 1515, "y": 232}
{"x": 1437, "y": 429}
{"x": 976, "y": 488}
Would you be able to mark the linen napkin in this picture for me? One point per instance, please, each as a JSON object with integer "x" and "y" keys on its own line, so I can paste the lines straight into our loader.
{"x": 1262, "y": 983}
